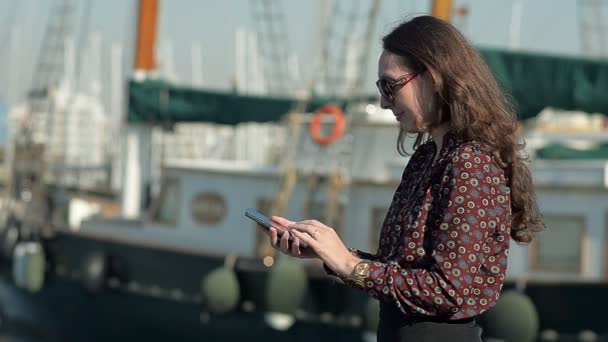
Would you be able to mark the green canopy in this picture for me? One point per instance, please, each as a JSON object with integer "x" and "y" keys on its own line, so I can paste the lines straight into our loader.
{"x": 161, "y": 102}
{"x": 536, "y": 81}
{"x": 558, "y": 151}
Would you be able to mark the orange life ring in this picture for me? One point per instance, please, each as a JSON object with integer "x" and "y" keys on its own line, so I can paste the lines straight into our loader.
{"x": 317, "y": 118}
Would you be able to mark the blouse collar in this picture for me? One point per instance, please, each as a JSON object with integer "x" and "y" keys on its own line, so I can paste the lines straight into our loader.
{"x": 449, "y": 141}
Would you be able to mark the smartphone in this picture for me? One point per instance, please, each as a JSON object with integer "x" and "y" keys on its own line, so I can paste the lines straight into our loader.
{"x": 267, "y": 223}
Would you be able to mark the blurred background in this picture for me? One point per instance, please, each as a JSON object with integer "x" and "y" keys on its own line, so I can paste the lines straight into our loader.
{"x": 134, "y": 135}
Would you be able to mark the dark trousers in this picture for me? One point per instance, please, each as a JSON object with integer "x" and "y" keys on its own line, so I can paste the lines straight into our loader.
{"x": 430, "y": 332}
{"x": 394, "y": 327}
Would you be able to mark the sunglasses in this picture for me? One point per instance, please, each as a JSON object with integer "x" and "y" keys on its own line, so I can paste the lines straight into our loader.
{"x": 387, "y": 89}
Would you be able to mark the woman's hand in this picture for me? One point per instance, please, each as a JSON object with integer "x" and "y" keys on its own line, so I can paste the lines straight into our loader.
{"x": 322, "y": 241}
{"x": 283, "y": 244}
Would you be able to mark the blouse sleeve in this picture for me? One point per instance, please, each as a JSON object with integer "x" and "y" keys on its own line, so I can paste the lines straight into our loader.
{"x": 468, "y": 229}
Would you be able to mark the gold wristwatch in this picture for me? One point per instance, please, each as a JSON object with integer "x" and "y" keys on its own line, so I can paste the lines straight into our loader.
{"x": 361, "y": 272}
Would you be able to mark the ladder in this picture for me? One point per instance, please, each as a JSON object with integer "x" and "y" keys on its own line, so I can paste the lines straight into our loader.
{"x": 335, "y": 84}
{"x": 271, "y": 29}
{"x": 26, "y": 196}
{"x": 340, "y": 85}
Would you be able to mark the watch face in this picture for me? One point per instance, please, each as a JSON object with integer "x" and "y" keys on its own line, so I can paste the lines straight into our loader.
{"x": 362, "y": 269}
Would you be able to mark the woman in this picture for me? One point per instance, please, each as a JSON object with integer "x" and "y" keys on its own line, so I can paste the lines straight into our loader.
{"x": 466, "y": 190}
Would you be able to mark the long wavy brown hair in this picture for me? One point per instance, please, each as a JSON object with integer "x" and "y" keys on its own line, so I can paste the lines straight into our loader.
{"x": 471, "y": 100}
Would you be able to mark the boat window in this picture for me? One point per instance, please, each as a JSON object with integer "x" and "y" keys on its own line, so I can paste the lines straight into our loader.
{"x": 208, "y": 208}
{"x": 165, "y": 210}
{"x": 560, "y": 246}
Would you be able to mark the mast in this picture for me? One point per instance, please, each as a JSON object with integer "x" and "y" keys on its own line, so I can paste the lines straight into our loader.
{"x": 138, "y": 160}
{"x": 442, "y": 9}
{"x": 145, "y": 61}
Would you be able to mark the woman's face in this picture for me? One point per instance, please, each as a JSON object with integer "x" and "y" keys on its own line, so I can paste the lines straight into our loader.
{"x": 412, "y": 103}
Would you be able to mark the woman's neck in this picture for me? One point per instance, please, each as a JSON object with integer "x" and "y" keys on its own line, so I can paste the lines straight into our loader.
{"x": 437, "y": 134}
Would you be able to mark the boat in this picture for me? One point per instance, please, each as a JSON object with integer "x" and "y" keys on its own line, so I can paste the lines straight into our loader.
{"x": 184, "y": 263}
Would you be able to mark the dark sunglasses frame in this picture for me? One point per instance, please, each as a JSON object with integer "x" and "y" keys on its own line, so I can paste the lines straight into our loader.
{"x": 387, "y": 89}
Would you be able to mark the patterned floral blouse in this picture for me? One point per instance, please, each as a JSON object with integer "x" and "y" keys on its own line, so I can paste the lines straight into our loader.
{"x": 444, "y": 242}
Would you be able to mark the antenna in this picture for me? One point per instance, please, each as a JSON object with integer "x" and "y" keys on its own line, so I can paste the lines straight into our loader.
{"x": 593, "y": 27}
{"x": 240, "y": 78}
{"x": 197, "y": 64}
{"x": 116, "y": 107}
{"x": 515, "y": 26}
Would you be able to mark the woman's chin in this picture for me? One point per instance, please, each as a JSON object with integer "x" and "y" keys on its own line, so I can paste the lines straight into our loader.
{"x": 408, "y": 128}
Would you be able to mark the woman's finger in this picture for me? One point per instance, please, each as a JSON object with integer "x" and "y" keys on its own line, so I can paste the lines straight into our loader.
{"x": 314, "y": 223}
{"x": 285, "y": 241}
{"x": 295, "y": 246}
{"x": 282, "y": 221}
{"x": 305, "y": 238}
{"x": 305, "y": 228}
{"x": 274, "y": 237}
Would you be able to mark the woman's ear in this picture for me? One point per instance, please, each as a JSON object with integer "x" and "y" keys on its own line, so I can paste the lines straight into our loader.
{"x": 436, "y": 83}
